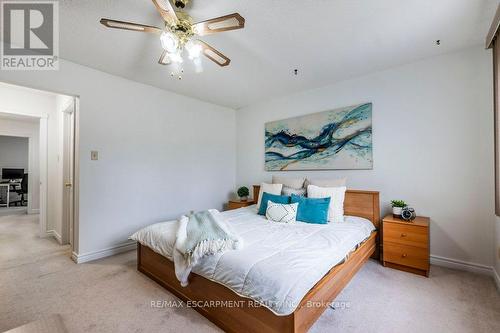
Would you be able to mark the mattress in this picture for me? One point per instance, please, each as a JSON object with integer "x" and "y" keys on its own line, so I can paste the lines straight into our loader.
{"x": 278, "y": 264}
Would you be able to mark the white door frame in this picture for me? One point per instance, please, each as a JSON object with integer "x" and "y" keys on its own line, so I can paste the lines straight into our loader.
{"x": 76, "y": 178}
{"x": 30, "y": 178}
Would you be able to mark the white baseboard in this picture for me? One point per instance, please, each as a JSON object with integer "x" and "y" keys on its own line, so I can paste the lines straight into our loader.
{"x": 34, "y": 211}
{"x": 57, "y": 237}
{"x": 461, "y": 265}
{"x": 496, "y": 277}
{"x": 110, "y": 251}
{"x": 55, "y": 234}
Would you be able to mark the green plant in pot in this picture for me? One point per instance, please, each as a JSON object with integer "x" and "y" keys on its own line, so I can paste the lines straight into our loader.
{"x": 243, "y": 193}
{"x": 397, "y": 207}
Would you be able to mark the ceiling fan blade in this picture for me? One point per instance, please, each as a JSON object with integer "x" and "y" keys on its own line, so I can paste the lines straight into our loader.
{"x": 166, "y": 11}
{"x": 164, "y": 58}
{"x": 214, "y": 55}
{"x": 129, "y": 26}
{"x": 224, "y": 23}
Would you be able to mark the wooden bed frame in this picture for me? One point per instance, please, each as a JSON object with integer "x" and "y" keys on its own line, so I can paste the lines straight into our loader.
{"x": 243, "y": 315}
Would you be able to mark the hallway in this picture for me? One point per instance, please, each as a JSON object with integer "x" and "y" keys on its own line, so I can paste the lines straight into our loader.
{"x": 20, "y": 244}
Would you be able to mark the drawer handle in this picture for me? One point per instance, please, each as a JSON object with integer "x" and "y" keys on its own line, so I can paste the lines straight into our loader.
{"x": 404, "y": 255}
{"x": 403, "y": 235}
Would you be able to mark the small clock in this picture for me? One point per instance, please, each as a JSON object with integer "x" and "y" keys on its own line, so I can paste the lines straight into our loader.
{"x": 408, "y": 214}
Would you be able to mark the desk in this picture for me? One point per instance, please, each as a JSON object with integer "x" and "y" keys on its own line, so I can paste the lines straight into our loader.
{"x": 10, "y": 186}
{"x": 7, "y": 188}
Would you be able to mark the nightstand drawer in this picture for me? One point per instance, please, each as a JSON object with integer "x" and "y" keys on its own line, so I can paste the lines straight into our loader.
{"x": 406, "y": 235}
{"x": 410, "y": 256}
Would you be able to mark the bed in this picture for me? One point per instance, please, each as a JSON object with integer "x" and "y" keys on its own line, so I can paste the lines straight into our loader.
{"x": 233, "y": 310}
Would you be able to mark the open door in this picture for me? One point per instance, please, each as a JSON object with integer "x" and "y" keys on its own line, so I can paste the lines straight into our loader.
{"x": 68, "y": 160}
{"x": 43, "y": 176}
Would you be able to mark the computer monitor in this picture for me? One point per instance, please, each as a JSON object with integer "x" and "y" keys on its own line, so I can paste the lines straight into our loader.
{"x": 12, "y": 173}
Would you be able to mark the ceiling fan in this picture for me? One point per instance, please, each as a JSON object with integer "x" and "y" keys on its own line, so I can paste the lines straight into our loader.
{"x": 180, "y": 31}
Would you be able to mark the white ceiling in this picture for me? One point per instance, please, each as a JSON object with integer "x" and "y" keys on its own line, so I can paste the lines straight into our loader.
{"x": 327, "y": 40}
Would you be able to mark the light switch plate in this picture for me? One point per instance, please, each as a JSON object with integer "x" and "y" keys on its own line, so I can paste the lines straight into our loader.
{"x": 94, "y": 155}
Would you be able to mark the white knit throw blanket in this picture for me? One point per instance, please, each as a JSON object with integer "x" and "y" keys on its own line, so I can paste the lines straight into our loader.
{"x": 200, "y": 234}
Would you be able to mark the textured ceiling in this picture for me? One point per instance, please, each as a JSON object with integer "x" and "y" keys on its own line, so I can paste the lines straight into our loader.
{"x": 326, "y": 40}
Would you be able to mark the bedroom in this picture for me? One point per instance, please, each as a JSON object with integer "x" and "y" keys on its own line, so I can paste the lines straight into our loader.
{"x": 168, "y": 146}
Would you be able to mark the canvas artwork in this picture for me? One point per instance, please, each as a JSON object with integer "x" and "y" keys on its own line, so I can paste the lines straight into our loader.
{"x": 329, "y": 140}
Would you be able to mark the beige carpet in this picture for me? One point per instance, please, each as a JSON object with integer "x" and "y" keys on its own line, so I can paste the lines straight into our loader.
{"x": 37, "y": 279}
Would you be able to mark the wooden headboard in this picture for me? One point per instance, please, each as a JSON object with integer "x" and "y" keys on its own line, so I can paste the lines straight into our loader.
{"x": 356, "y": 203}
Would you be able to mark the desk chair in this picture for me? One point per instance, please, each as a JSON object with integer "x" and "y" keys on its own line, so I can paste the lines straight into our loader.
{"x": 22, "y": 191}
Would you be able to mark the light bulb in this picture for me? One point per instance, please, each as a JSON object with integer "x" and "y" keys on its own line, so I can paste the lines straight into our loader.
{"x": 175, "y": 57}
{"x": 169, "y": 41}
{"x": 194, "y": 49}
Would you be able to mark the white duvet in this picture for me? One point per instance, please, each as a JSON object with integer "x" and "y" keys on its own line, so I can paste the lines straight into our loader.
{"x": 279, "y": 263}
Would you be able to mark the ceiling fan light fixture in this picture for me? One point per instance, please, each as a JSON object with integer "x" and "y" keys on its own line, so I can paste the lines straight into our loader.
{"x": 179, "y": 31}
{"x": 169, "y": 41}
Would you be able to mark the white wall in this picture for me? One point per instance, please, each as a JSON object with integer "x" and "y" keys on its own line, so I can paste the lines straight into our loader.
{"x": 13, "y": 152}
{"x": 27, "y": 129}
{"x": 160, "y": 154}
{"x": 432, "y": 139}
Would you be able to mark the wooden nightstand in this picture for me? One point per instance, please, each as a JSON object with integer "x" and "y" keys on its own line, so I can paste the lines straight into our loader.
{"x": 235, "y": 204}
{"x": 405, "y": 245}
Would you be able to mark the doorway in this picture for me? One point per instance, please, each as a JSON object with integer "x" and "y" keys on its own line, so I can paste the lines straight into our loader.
{"x": 14, "y": 169}
{"x": 53, "y": 182}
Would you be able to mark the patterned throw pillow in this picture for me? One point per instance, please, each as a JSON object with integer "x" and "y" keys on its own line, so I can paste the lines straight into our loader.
{"x": 286, "y": 190}
{"x": 266, "y": 197}
{"x": 282, "y": 213}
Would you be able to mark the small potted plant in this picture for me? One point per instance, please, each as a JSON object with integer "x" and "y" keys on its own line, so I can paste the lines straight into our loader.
{"x": 397, "y": 207}
{"x": 243, "y": 193}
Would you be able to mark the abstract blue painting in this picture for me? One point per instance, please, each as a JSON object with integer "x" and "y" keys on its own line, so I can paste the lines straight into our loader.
{"x": 329, "y": 140}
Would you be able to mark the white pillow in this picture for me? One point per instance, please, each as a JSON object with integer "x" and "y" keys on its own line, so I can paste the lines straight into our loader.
{"x": 337, "y": 195}
{"x": 269, "y": 188}
{"x": 283, "y": 213}
{"x": 296, "y": 183}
